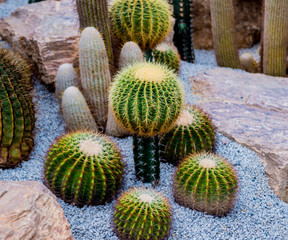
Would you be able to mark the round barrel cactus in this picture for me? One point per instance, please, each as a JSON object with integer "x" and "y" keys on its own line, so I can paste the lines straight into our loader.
{"x": 84, "y": 168}
{"x": 193, "y": 132}
{"x": 206, "y": 182}
{"x": 145, "y": 22}
{"x": 142, "y": 214}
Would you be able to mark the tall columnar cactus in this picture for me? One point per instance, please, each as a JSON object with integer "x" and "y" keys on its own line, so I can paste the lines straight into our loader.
{"x": 76, "y": 113}
{"x": 275, "y": 37}
{"x": 223, "y": 28}
{"x": 145, "y": 22}
{"x": 84, "y": 168}
{"x": 66, "y": 77}
{"x": 142, "y": 214}
{"x": 164, "y": 54}
{"x": 95, "y": 74}
{"x": 17, "y": 111}
{"x": 130, "y": 53}
{"x": 146, "y": 99}
{"x": 183, "y": 28}
{"x": 207, "y": 183}
{"x": 193, "y": 132}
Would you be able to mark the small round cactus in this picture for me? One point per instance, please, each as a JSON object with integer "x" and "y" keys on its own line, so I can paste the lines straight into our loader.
{"x": 145, "y": 22}
{"x": 193, "y": 132}
{"x": 142, "y": 214}
{"x": 249, "y": 63}
{"x": 130, "y": 53}
{"x": 206, "y": 182}
{"x": 84, "y": 168}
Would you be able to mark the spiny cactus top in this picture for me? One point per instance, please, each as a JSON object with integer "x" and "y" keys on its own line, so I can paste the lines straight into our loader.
{"x": 145, "y": 22}
{"x": 146, "y": 98}
{"x": 142, "y": 214}
{"x": 16, "y": 110}
{"x": 130, "y": 53}
{"x": 84, "y": 168}
{"x": 206, "y": 182}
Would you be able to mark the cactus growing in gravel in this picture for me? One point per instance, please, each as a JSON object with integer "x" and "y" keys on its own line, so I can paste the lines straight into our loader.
{"x": 145, "y": 22}
{"x": 95, "y": 74}
{"x": 142, "y": 214}
{"x": 193, "y": 132}
{"x": 76, "y": 113}
{"x": 17, "y": 111}
{"x": 84, "y": 168}
{"x": 206, "y": 182}
{"x": 130, "y": 53}
{"x": 164, "y": 54}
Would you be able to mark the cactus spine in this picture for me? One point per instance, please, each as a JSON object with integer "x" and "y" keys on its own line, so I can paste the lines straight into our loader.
{"x": 207, "y": 183}
{"x": 223, "y": 27}
{"x": 17, "y": 111}
{"x": 95, "y": 74}
{"x": 84, "y": 168}
{"x": 193, "y": 132}
{"x": 130, "y": 53}
{"x": 275, "y": 37}
{"x": 142, "y": 214}
{"x": 76, "y": 113}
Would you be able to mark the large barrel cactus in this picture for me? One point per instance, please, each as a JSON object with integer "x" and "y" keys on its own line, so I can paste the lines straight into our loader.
{"x": 206, "y": 182}
{"x": 84, "y": 168}
{"x": 142, "y": 214}
{"x": 17, "y": 112}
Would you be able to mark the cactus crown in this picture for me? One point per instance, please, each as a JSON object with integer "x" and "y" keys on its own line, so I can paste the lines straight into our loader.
{"x": 130, "y": 53}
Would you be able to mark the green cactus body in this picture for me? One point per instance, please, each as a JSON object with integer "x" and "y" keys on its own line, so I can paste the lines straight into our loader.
{"x": 95, "y": 74}
{"x": 183, "y": 29}
{"x": 130, "y": 53}
{"x": 17, "y": 111}
{"x": 193, "y": 132}
{"x": 145, "y": 22}
{"x": 275, "y": 37}
{"x": 249, "y": 63}
{"x": 164, "y": 54}
{"x": 223, "y": 28}
{"x": 142, "y": 214}
{"x": 76, "y": 113}
{"x": 66, "y": 77}
{"x": 84, "y": 168}
{"x": 206, "y": 182}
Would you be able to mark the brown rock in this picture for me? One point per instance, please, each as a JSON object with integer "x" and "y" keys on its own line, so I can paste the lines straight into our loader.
{"x": 251, "y": 109}
{"x": 45, "y": 33}
{"x": 28, "y": 210}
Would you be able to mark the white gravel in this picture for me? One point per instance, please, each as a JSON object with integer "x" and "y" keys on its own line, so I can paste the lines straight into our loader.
{"x": 258, "y": 213}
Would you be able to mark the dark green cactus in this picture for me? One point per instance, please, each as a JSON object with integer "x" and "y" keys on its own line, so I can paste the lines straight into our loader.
{"x": 84, "y": 168}
{"x": 34, "y": 1}
{"x": 17, "y": 111}
{"x": 183, "y": 29}
{"x": 193, "y": 132}
{"x": 206, "y": 182}
{"x": 142, "y": 214}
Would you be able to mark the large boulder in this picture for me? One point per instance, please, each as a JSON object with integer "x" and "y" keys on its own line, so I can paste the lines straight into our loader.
{"x": 28, "y": 210}
{"x": 251, "y": 109}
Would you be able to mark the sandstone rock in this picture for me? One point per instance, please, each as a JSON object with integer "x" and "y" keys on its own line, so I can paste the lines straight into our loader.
{"x": 251, "y": 109}
{"x": 28, "y": 210}
{"x": 45, "y": 33}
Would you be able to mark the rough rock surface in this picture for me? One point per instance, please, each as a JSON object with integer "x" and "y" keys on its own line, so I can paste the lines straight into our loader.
{"x": 45, "y": 33}
{"x": 251, "y": 109}
{"x": 28, "y": 210}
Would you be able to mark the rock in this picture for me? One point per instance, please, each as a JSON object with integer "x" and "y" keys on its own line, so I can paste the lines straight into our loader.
{"x": 248, "y": 16}
{"x": 28, "y": 210}
{"x": 251, "y": 109}
{"x": 45, "y": 34}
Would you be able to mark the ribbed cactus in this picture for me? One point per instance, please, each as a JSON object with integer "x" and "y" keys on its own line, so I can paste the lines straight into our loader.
{"x": 193, "y": 132}
{"x": 66, "y": 77}
{"x": 17, "y": 111}
{"x": 249, "y": 63}
{"x": 145, "y": 22}
{"x": 76, "y": 113}
{"x": 84, "y": 168}
{"x": 142, "y": 214}
{"x": 275, "y": 37}
{"x": 223, "y": 28}
{"x": 206, "y": 182}
{"x": 95, "y": 74}
{"x": 165, "y": 54}
{"x": 130, "y": 53}
{"x": 183, "y": 28}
